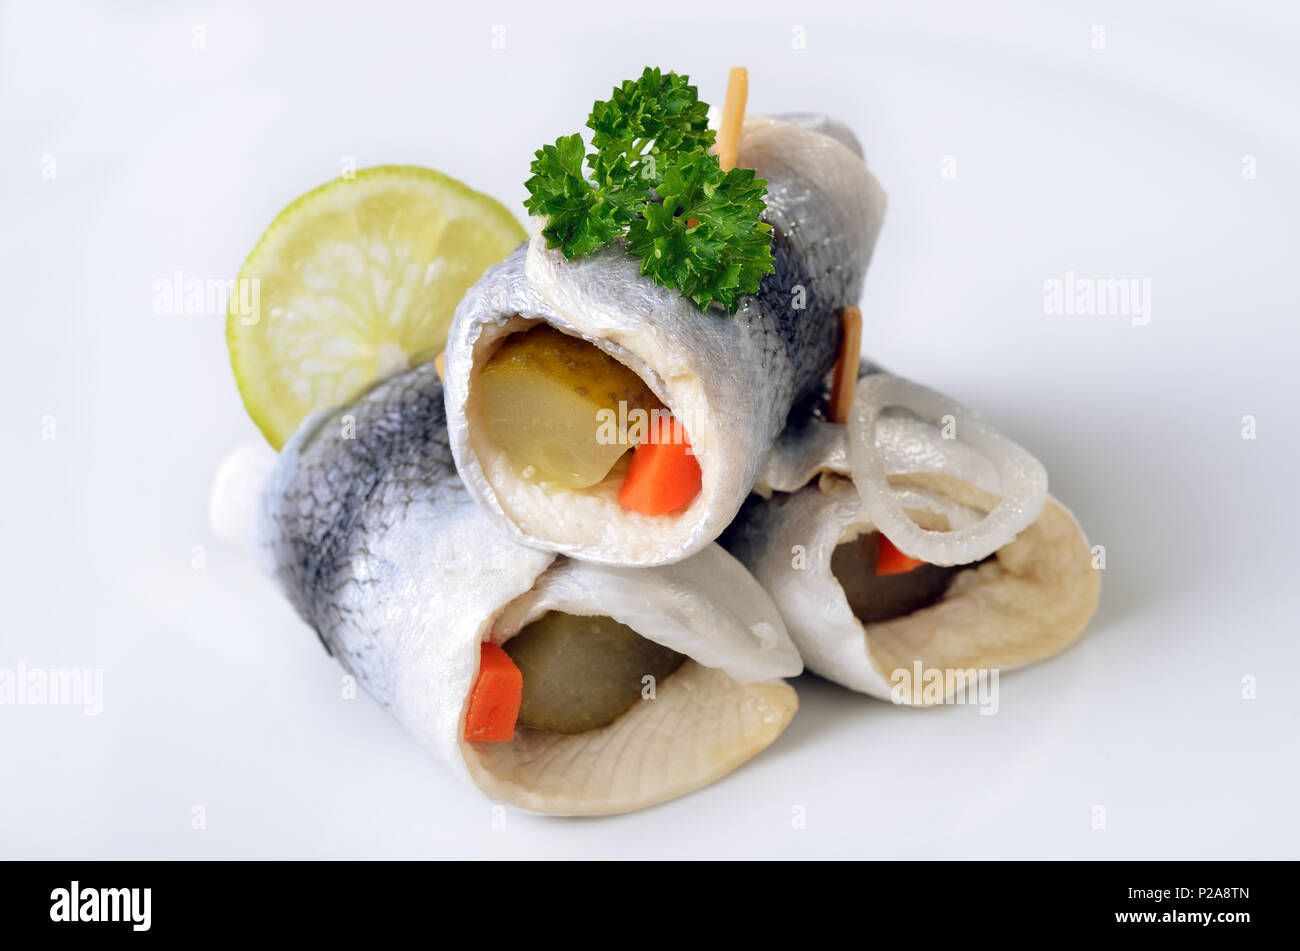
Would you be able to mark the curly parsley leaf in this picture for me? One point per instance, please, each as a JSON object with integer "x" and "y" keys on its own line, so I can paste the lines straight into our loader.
{"x": 655, "y": 115}
{"x": 705, "y": 238}
{"x": 695, "y": 227}
{"x": 581, "y": 218}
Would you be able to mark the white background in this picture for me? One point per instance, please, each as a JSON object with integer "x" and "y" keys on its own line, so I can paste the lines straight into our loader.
{"x": 1124, "y": 161}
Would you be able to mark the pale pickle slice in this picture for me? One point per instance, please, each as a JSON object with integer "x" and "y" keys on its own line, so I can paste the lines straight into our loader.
{"x": 581, "y": 673}
{"x": 541, "y": 394}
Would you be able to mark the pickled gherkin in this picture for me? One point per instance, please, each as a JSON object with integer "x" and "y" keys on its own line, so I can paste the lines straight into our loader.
{"x": 540, "y": 394}
{"x": 882, "y": 597}
{"x": 581, "y": 673}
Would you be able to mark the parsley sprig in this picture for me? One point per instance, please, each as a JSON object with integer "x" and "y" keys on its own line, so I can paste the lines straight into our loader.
{"x": 694, "y": 227}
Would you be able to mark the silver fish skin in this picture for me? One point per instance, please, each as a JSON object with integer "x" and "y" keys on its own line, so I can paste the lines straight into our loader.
{"x": 733, "y": 381}
{"x": 371, "y": 535}
{"x": 830, "y": 126}
{"x": 377, "y": 545}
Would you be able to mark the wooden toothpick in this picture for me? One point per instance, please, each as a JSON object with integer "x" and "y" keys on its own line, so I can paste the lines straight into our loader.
{"x": 845, "y": 379}
{"x": 733, "y": 118}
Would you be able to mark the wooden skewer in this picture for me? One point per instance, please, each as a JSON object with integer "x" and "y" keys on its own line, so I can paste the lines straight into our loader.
{"x": 845, "y": 380}
{"x": 733, "y": 118}
{"x": 440, "y": 364}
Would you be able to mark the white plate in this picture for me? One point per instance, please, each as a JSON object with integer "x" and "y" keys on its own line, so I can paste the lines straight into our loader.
{"x": 1118, "y": 162}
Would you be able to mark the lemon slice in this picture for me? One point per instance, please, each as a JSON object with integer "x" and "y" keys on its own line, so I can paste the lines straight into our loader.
{"x": 354, "y": 282}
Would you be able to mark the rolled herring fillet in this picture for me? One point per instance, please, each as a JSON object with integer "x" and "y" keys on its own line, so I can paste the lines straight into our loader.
{"x": 371, "y": 535}
{"x": 731, "y": 381}
{"x": 1022, "y": 586}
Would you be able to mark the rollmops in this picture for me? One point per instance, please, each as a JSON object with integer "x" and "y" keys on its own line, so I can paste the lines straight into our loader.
{"x": 913, "y": 536}
{"x": 369, "y": 532}
{"x": 732, "y": 381}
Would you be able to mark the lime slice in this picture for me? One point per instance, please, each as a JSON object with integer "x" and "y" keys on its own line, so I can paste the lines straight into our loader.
{"x": 354, "y": 282}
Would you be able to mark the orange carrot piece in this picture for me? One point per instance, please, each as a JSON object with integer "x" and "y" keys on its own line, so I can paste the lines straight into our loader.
{"x": 891, "y": 561}
{"x": 494, "y": 701}
{"x": 663, "y": 475}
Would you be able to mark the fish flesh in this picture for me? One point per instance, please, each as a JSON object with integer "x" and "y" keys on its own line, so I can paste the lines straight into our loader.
{"x": 367, "y": 528}
{"x": 732, "y": 381}
{"x": 1027, "y": 585}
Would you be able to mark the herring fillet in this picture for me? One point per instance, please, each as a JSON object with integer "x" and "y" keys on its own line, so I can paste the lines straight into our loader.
{"x": 1030, "y": 600}
{"x": 371, "y": 535}
{"x": 732, "y": 380}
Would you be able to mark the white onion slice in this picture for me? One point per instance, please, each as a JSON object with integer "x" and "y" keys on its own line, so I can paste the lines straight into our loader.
{"x": 958, "y": 515}
{"x": 1022, "y": 478}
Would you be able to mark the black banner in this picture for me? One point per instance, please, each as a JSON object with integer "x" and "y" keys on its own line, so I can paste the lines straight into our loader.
{"x": 359, "y": 899}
